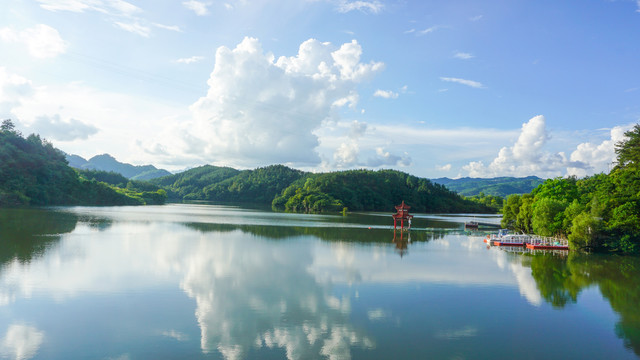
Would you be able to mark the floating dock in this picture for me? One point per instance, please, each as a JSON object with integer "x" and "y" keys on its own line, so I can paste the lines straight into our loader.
{"x": 548, "y": 243}
{"x": 503, "y": 238}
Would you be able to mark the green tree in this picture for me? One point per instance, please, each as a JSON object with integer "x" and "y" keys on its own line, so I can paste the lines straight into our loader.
{"x": 525, "y": 215}
{"x": 628, "y": 150}
{"x": 585, "y": 230}
{"x": 510, "y": 211}
{"x": 548, "y": 215}
{"x": 7, "y": 126}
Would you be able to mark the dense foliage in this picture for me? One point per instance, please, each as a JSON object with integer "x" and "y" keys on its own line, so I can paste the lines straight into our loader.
{"x": 33, "y": 172}
{"x": 214, "y": 183}
{"x": 490, "y": 201}
{"x": 601, "y": 211}
{"x": 293, "y": 190}
{"x": 499, "y": 186}
{"x": 371, "y": 191}
{"x": 143, "y": 191}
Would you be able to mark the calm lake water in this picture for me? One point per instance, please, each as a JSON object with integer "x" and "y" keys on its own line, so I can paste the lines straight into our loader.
{"x": 219, "y": 282}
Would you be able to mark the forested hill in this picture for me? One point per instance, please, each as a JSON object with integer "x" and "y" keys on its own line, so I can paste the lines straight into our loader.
{"x": 215, "y": 183}
{"x": 371, "y": 191}
{"x": 293, "y": 190}
{"x": 498, "y": 186}
{"x": 108, "y": 163}
{"x": 33, "y": 172}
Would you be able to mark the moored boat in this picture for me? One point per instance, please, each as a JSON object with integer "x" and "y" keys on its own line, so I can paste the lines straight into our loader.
{"x": 548, "y": 243}
{"x": 512, "y": 240}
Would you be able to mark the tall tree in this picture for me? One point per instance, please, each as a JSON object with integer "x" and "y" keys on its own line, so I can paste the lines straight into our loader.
{"x": 628, "y": 150}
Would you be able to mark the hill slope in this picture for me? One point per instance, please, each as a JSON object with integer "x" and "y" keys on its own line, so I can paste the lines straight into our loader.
{"x": 215, "y": 183}
{"x": 366, "y": 190}
{"x": 33, "y": 172}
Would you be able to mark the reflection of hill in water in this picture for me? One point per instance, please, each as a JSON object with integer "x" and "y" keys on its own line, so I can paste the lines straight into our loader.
{"x": 560, "y": 280}
{"x": 27, "y": 233}
{"x": 342, "y": 234}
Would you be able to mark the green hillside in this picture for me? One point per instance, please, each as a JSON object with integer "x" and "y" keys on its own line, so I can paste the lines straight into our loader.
{"x": 366, "y": 190}
{"x": 33, "y": 172}
{"x": 190, "y": 184}
{"x": 215, "y": 183}
{"x": 293, "y": 190}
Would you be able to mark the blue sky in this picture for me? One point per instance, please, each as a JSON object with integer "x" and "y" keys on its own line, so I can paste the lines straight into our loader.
{"x": 433, "y": 88}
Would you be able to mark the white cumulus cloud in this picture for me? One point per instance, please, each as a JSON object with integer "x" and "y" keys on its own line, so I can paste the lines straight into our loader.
{"x": 599, "y": 157}
{"x": 262, "y": 110}
{"x": 346, "y": 154}
{"x": 42, "y": 41}
{"x": 383, "y": 157}
{"x": 526, "y": 157}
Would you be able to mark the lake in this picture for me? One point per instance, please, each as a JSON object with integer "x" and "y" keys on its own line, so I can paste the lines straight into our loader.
{"x": 220, "y": 282}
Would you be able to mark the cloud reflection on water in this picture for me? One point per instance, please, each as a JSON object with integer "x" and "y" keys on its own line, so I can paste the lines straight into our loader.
{"x": 250, "y": 291}
{"x": 21, "y": 342}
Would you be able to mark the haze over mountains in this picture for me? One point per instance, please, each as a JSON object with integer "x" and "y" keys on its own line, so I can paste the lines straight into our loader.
{"x": 498, "y": 186}
{"x": 106, "y": 162}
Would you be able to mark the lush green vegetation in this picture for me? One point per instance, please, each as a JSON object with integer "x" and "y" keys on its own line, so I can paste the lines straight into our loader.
{"x": 370, "y": 191}
{"x": 33, "y": 172}
{"x": 599, "y": 212}
{"x": 490, "y": 201}
{"x": 214, "y": 183}
{"x": 296, "y": 191}
{"x": 499, "y": 186}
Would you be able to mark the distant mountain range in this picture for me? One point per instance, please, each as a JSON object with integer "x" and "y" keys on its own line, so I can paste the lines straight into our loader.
{"x": 106, "y": 162}
{"x": 499, "y": 186}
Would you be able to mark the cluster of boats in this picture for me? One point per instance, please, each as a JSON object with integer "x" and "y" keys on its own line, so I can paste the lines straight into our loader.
{"x": 503, "y": 238}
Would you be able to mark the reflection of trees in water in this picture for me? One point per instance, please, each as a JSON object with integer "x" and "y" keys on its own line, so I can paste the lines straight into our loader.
{"x": 96, "y": 222}
{"x": 27, "y": 233}
{"x": 619, "y": 280}
{"x": 342, "y": 234}
{"x": 560, "y": 280}
{"x": 554, "y": 280}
